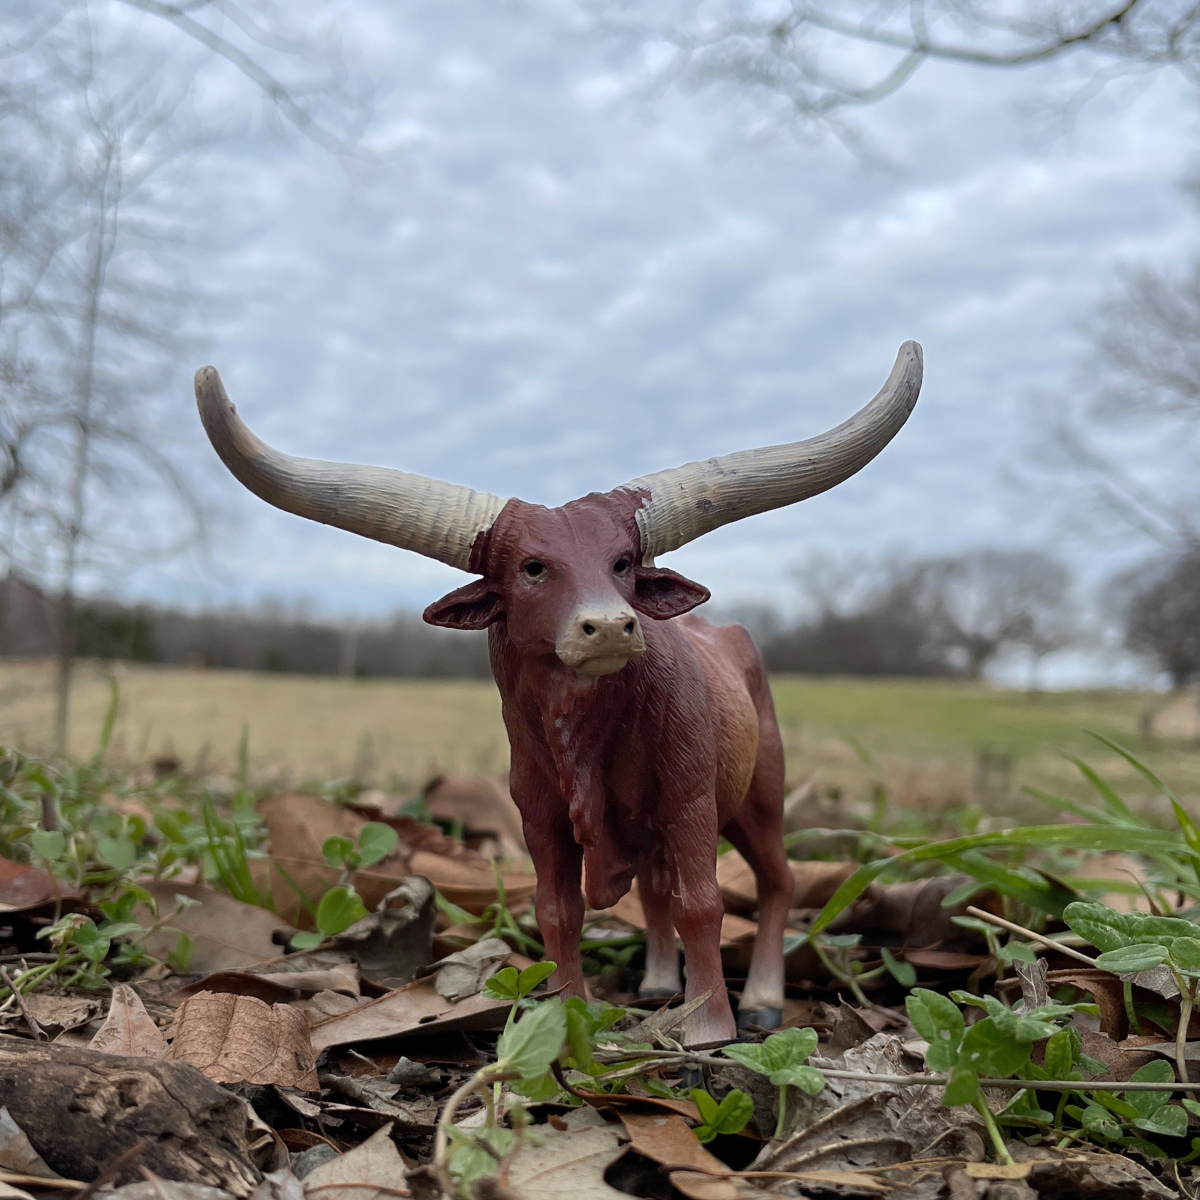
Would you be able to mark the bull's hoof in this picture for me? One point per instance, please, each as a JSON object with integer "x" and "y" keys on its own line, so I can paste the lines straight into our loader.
{"x": 658, "y": 994}
{"x": 761, "y": 1018}
{"x": 690, "y": 1076}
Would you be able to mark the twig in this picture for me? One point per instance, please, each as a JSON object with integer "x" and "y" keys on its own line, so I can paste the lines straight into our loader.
{"x": 15, "y": 1177}
{"x": 375, "y": 1187}
{"x": 38, "y": 1032}
{"x": 1036, "y": 937}
{"x": 114, "y": 1169}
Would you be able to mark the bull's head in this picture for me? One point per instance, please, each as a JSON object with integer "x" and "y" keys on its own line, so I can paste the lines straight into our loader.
{"x": 571, "y": 581}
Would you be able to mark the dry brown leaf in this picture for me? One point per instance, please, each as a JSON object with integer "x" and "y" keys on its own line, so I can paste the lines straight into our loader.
{"x": 685, "y": 1108}
{"x": 481, "y": 806}
{"x": 17, "y": 1153}
{"x": 414, "y": 1008}
{"x": 237, "y": 1039}
{"x": 471, "y": 885}
{"x": 59, "y": 1013}
{"x": 129, "y": 1029}
{"x": 23, "y": 888}
{"x": 1108, "y": 992}
{"x": 227, "y": 934}
{"x": 735, "y": 930}
{"x": 376, "y": 1161}
{"x": 569, "y": 1162}
{"x": 667, "y": 1139}
{"x": 815, "y": 882}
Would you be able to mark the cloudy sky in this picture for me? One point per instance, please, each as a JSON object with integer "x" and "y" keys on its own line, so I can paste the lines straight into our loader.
{"x": 543, "y": 281}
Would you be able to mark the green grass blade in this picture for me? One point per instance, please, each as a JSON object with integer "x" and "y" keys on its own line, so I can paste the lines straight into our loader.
{"x": 301, "y": 895}
{"x": 1047, "y": 895}
{"x": 1115, "y": 805}
{"x": 1087, "y": 811}
{"x": 850, "y": 891}
{"x": 1133, "y": 760}
{"x": 109, "y": 722}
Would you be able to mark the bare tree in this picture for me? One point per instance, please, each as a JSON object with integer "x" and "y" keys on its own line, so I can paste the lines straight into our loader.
{"x": 982, "y": 601}
{"x": 98, "y": 125}
{"x": 1160, "y": 613}
{"x": 819, "y": 61}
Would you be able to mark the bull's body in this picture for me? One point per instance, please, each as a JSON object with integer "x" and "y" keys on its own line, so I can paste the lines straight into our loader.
{"x": 636, "y": 774}
{"x": 638, "y": 734}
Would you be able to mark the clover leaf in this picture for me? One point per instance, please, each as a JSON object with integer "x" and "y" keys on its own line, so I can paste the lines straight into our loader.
{"x": 730, "y": 1116}
{"x": 781, "y": 1059}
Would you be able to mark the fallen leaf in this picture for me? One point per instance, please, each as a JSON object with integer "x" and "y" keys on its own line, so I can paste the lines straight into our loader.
{"x": 685, "y": 1108}
{"x": 847, "y": 1179}
{"x": 227, "y": 934}
{"x": 735, "y": 930}
{"x": 324, "y": 1005}
{"x": 471, "y": 885}
{"x": 376, "y": 1162}
{"x": 569, "y": 1162}
{"x": 56, "y": 1014}
{"x": 944, "y": 960}
{"x": 16, "y": 1152}
{"x": 481, "y": 807}
{"x": 23, "y": 887}
{"x": 913, "y": 912}
{"x": 1105, "y": 989}
{"x": 985, "y": 1170}
{"x": 667, "y": 1139}
{"x": 815, "y": 882}
{"x": 129, "y": 1029}
{"x": 279, "y": 1185}
{"x": 237, "y": 1039}
{"x": 379, "y": 1095}
{"x": 155, "y": 1188}
{"x": 414, "y": 1008}
{"x": 1054, "y": 1172}
{"x": 277, "y": 987}
{"x": 463, "y": 973}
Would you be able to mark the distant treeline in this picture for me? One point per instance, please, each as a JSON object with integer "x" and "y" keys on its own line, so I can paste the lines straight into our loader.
{"x": 948, "y": 615}
{"x": 264, "y": 639}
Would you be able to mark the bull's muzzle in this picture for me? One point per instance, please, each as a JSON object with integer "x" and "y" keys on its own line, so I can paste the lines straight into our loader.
{"x": 599, "y": 642}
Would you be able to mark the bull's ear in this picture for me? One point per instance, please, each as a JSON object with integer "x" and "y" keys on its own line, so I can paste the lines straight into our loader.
{"x": 475, "y": 606}
{"x": 661, "y": 593}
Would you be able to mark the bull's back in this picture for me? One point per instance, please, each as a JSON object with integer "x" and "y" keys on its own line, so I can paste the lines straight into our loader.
{"x": 728, "y": 659}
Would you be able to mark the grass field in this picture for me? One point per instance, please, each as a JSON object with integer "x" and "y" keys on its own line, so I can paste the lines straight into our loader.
{"x": 933, "y": 742}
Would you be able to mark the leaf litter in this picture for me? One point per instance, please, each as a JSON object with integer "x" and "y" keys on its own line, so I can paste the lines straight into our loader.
{"x": 344, "y": 1058}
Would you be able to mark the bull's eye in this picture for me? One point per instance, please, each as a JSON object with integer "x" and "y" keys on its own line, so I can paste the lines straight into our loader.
{"x": 621, "y": 566}
{"x": 533, "y": 568}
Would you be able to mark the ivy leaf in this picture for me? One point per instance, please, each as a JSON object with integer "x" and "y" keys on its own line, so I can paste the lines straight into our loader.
{"x": 962, "y": 1087}
{"x": 937, "y": 1019}
{"x": 1185, "y": 954}
{"x": 807, "y": 1079}
{"x": 535, "y": 974}
{"x": 1128, "y": 960}
{"x": 789, "y": 1048}
{"x": 730, "y": 1116}
{"x": 118, "y": 852}
{"x": 987, "y": 1050}
{"x": 49, "y": 843}
{"x": 1170, "y": 1121}
{"x": 1147, "y": 1104}
{"x": 335, "y": 850}
{"x": 1061, "y": 1052}
{"x": 541, "y": 1089}
{"x": 502, "y": 985}
{"x": 340, "y": 907}
{"x": 375, "y": 842}
{"x": 904, "y": 973}
{"x": 531, "y": 1044}
{"x": 1099, "y": 924}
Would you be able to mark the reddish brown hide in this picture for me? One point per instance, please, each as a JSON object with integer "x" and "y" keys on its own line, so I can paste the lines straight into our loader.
{"x": 636, "y": 771}
{"x": 638, "y": 733}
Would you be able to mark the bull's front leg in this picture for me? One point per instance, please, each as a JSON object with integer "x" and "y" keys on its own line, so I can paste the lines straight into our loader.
{"x": 558, "y": 902}
{"x": 696, "y": 912}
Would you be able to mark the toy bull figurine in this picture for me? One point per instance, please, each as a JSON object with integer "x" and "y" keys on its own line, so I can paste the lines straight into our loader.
{"x": 638, "y": 734}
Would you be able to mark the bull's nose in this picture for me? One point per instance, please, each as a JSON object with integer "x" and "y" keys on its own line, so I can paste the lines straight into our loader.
{"x": 598, "y": 643}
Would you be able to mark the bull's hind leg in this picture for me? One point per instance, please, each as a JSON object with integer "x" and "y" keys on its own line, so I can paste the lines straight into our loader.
{"x": 662, "y": 976}
{"x": 757, "y": 833}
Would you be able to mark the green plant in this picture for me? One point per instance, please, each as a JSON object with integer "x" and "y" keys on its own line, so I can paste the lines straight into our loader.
{"x": 341, "y": 906}
{"x": 1133, "y": 942}
{"x": 996, "y": 1046}
{"x": 730, "y": 1116}
{"x": 781, "y": 1058}
{"x": 510, "y": 984}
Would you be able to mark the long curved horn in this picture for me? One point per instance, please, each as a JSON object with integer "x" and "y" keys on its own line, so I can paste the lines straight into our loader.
{"x": 691, "y": 500}
{"x": 440, "y": 520}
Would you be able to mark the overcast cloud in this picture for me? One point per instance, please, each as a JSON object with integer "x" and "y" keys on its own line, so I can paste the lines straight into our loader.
{"x": 545, "y": 286}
